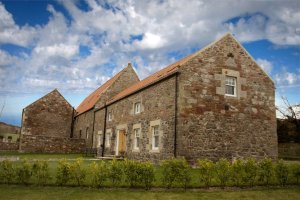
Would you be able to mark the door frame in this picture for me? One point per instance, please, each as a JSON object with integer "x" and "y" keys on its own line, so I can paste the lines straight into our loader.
{"x": 119, "y": 128}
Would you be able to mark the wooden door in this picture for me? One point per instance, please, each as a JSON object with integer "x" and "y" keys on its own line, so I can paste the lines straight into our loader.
{"x": 122, "y": 142}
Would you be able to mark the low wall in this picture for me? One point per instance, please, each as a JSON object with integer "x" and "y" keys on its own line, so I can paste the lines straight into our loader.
{"x": 45, "y": 144}
{"x": 9, "y": 146}
{"x": 289, "y": 150}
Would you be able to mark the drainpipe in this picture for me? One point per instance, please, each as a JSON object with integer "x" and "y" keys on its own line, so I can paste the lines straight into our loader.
{"x": 93, "y": 130}
{"x": 72, "y": 123}
{"x": 104, "y": 130}
{"x": 175, "y": 118}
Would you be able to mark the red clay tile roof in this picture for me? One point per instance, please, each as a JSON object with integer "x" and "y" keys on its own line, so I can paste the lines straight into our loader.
{"x": 90, "y": 101}
{"x": 165, "y": 72}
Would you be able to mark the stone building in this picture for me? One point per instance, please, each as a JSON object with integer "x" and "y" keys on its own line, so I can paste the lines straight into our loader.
{"x": 47, "y": 126}
{"x": 216, "y": 102}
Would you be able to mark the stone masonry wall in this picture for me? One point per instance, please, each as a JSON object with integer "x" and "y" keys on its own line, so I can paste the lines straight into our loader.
{"x": 212, "y": 125}
{"x": 45, "y": 144}
{"x": 84, "y": 122}
{"x": 83, "y": 127}
{"x": 157, "y": 107}
{"x": 50, "y": 116}
{"x": 289, "y": 150}
{"x": 9, "y": 146}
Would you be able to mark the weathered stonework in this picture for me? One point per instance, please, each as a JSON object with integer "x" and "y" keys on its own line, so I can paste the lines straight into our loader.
{"x": 45, "y": 144}
{"x": 84, "y": 122}
{"x": 213, "y": 125}
{"x": 50, "y": 116}
{"x": 157, "y": 108}
{"x": 46, "y": 126}
{"x": 9, "y": 146}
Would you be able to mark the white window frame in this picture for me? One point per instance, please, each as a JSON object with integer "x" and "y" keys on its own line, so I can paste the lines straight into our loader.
{"x": 110, "y": 116}
{"x": 107, "y": 139}
{"x": 231, "y": 81}
{"x": 155, "y": 134}
{"x": 137, "y": 107}
{"x": 99, "y": 134}
{"x": 137, "y": 137}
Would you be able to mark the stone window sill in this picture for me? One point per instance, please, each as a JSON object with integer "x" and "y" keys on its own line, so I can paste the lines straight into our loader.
{"x": 154, "y": 151}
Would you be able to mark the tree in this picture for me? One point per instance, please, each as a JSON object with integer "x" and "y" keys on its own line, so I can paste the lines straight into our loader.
{"x": 288, "y": 128}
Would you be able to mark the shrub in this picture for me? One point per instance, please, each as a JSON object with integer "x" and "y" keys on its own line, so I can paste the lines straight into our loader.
{"x": 63, "y": 173}
{"x": 7, "y": 171}
{"x": 266, "y": 170}
{"x": 250, "y": 171}
{"x": 206, "y": 171}
{"x": 175, "y": 170}
{"x": 99, "y": 173}
{"x": 238, "y": 171}
{"x": 77, "y": 173}
{"x": 40, "y": 171}
{"x": 282, "y": 172}
{"x": 132, "y": 172}
{"x": 295, "y": 169}
{"x": 23, "y": 172}
{"x": 115, "y": 172}
{"x": 223, "y": 170}
{"x": 147, "y": 176}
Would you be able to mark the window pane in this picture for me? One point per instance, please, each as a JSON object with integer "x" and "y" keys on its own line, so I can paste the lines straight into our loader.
{"x": 230, "y": 90}
{"x": 156, "y": 138}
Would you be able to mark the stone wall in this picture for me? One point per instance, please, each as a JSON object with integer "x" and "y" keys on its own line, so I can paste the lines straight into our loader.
{"x": 289, "y": 150}
{"x": 51, "y": 115}
{"x": 9, "y": 146}
{"x": 84, "y": 122}
{"x": 45, "y": 144}
{"x": 157, "y": 108}
{"x": 213, "y": 125}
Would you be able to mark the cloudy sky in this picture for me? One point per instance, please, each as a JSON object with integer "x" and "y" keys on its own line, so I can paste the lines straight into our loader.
{"x": 76, "y": 46}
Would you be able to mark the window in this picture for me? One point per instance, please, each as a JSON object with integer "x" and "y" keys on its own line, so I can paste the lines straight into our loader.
{"x": 87, "y": 132}
{"x": 230, "y": 86}
{"x": 137, "y": 135}
{"x": 155, "y": 137}
{"x": 137, "y": 108}
{"x": 107, "y": 140}
{"x": 9, "y": 138}
{"x": 80, "y": 134}
{"x": 109, "y": 116}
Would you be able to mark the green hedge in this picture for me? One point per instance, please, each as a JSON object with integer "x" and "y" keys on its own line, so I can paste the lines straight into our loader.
{"x": 172, "y": 173}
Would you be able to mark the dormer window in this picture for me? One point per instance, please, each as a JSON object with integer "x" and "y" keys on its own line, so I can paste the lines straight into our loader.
{"x": 230, "y": 86}
{"x": 137, "y": 108}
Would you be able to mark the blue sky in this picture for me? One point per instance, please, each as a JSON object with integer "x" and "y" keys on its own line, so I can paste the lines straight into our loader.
{"x": 76, "y": 46}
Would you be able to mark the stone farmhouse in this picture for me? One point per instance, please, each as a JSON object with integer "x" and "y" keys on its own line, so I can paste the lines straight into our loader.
{"x": 216, "y": 102}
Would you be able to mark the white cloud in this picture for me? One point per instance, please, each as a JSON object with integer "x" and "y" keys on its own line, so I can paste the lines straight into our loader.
{"x": 266, "y": 65}
{"x": 67, "y": 51}
{"x": 164, "y": 26}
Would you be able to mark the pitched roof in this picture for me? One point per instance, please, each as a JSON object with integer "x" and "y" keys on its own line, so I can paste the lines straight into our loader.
{"x": 90, "y": 101}
{"x": 165, "y": 72}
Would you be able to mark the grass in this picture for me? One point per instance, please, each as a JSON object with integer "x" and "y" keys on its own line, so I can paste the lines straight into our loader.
{"x": 42, "y": 156}
{"x": 13, "y": 192}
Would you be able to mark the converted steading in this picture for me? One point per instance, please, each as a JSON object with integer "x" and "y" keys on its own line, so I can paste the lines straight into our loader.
{"x": 216, "y": 102}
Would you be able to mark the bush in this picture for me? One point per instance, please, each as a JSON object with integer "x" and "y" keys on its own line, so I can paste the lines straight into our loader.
{"x": 206, "y": 171}
{"x": 249, "y": 171}
{"x": 132, "y": 172}
{"x": 115, "y": 173}
{"x": 266, "y": 170}
{"x": 176, "y": 170}
{"x": 7, "y": 171}
{"x": 238, "y": 171}
{"x": 40, "y": 170}
{"x": 282, "y": 172}
{"x": 63, "y": 173}
{"x": 77, "y": 173}
{"x": 147, "y": 174}
{"x": 295, "y": 169}
{"x": 23, "y": 172}
{"x": 99, "y": 173}
{"x": 223, "y": 170}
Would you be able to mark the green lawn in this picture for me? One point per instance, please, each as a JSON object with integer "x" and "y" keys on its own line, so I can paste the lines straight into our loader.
{"x": 42, "y": 156}
{"x": 53, "y": 193}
